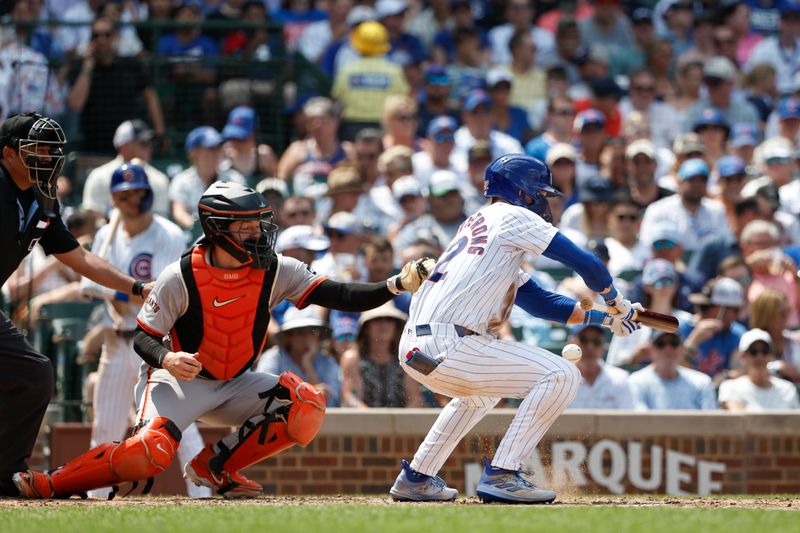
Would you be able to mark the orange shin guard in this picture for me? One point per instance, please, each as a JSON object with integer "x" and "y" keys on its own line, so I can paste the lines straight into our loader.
{"x": 142, "y": 456}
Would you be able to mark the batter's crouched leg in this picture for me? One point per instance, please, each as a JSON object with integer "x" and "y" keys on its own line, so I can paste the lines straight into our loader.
{"x": 296, "y": 421}
{"x": 140, "y": 457}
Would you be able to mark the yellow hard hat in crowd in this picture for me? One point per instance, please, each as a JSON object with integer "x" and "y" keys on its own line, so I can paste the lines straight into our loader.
{"x": 370, "y": 39}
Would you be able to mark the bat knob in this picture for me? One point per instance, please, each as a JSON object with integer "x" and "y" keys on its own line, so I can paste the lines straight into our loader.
{"x": 586, "y": 304}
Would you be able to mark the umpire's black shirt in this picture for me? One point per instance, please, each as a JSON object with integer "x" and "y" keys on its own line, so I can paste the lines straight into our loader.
{"x": 23, "y": 224}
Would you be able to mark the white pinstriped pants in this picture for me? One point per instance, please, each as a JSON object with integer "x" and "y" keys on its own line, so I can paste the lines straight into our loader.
{"x": 118, "y": 373}
{"x": 477, "y": 371}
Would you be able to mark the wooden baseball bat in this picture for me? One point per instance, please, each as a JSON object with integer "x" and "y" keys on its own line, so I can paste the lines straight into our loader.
{"x": 651, "y": 319}
{"x": 113, "y": 222}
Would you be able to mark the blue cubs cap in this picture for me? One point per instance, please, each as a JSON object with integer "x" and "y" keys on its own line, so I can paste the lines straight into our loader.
{"x": 203, "y": 137}
{"x": 241, "y": 123}
{"x": 789, "y": 108}
{"x": 588, "y": 117}
{"x": 730, "y": 165}
{"x": 710, "y": 117}
{"x": 744, "y": 134}
{"x": 693, "y": 167}
{"x": 441, "y": 124}
{"x": 476, "y": 98}
{"x": 436, "y": 75}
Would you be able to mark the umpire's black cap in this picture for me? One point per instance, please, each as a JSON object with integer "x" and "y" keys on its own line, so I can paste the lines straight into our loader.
{"x": 16, "y": 127}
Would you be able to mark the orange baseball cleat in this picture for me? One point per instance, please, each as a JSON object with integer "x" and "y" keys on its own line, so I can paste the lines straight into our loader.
{"x": 227, "y": 484}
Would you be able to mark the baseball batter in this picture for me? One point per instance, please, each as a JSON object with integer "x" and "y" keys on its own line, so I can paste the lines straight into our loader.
{"x": 215, "y": 305}
{"x": 143, "y": 244}
{"x": 450, "y": 345}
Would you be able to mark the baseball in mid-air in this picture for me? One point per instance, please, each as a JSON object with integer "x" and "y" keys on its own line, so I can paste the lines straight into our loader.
{"x": 572, "y": 353}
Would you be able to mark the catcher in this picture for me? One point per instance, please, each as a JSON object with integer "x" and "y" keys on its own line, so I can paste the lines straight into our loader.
{"x": 214, "y": 305}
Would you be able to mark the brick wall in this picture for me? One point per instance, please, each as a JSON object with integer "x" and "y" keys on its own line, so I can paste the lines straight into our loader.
{"x": 359, "y": 452}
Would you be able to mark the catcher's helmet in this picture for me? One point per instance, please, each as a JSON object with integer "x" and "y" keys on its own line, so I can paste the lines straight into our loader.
{"x": 226, "y": 202}
{"x": 131, "y": 176}
{"x": 513, "y": 177}
{"x": 39, "y": 141}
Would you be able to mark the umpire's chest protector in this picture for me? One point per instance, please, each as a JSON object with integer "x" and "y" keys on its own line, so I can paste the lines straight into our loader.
{"x": 227, "y": 316}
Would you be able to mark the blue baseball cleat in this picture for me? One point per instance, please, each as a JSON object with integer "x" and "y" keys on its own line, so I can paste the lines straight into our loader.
{"x": 508, "y": 486}
{"x": 411, "y": 486}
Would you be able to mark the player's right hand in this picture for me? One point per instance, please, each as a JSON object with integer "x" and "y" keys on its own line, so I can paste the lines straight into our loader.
{"x": 182, "y": 365}
{"x": 623, "y": 325}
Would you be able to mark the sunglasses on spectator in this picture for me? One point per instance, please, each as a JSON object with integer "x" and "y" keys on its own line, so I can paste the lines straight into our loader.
{"x": 98, "y": 34}
{"x": 333, "y": 234}
{"x": 629, "y": 217}
{"x": 663, "y": 282}
{"x": 444, "y": 137}
{"x": 758, "y": 351}
{"x": 701, "y": 129}
{"x": 597, "y": 341}
{"x": 777, "y": 160}
{"x": 661, "y": 343}
{"x": 665, "y": 244}
{"x": 733, "y": 177}
{"x": 715, "y": 82}
{"x": 592, "y": 128}
{"x": 347, "y": 337}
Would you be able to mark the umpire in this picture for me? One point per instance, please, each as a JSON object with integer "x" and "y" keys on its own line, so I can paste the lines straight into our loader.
{"x": 32, "y": 154}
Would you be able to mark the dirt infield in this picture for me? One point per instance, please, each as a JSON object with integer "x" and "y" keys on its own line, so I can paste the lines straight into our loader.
{"x": 734, "y": 502}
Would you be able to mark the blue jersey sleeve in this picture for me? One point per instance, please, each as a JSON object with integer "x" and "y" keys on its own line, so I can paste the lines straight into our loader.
{"x": 590, "y": 268}
{"x": 542, "y": 303}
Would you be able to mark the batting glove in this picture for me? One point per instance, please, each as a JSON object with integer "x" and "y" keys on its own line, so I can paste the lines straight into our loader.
{"x": 618, "y": 325}
{"x": 414, "y": 273}
{"x": 615, "y": 300}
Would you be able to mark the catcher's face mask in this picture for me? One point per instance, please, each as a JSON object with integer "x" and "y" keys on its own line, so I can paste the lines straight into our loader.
{"x": 42, "y": 153}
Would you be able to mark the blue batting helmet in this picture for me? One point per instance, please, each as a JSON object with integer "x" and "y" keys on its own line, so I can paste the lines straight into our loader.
{"x": 514, "y": 176}
{"x": 130, "y": 176}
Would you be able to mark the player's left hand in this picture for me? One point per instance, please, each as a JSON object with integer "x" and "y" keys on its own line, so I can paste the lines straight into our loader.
{"x": 618, "y": 304}
{"x": 415, "y": 272}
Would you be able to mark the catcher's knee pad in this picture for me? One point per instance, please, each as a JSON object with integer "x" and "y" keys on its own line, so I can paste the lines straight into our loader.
{"x": 265, "y": 435}
{"x": 142, "y": 456}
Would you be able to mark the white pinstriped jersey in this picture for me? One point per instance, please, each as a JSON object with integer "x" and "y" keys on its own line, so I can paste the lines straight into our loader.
{"x": 476, "y": 278}
{"x": 143, "y": 257}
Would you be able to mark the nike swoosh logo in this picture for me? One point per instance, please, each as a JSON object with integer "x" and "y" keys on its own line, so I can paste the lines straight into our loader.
{"x": 217, "y": 480}
{"x": 217, "y": 303}
{"x": 159, "y": 447}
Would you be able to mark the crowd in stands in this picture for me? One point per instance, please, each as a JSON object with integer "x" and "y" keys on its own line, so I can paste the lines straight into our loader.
{"x": 671, "y": 127}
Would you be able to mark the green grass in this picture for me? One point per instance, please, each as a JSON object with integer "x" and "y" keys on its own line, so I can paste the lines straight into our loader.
{"x": 354, "y": 518}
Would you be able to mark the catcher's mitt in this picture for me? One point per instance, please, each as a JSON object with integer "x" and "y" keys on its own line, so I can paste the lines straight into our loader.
{"x": 415, "y": 272}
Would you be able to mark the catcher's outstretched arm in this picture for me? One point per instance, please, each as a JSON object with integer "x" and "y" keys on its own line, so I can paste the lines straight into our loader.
{"x": 349, "y": 296}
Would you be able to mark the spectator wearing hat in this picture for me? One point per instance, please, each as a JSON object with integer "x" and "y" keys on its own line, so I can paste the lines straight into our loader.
{"x": 673, "y": 22}
{"x": 561, "y": 159}
{"x": 590, "y": 128}
{"x": 719, "y": 76}
{"x": 299, "y": 351}
{"x": 462, "y": 16}
{"x": 275, "y": 192}
{"x": 362, "y": 86}
{"x": 203, "y": 147}
{"x": 371, "y": 375}
{"x": 405, "y": 47}
{"x": 133, "y": 139}
{"x": 690, "y": 211}
{"x": 399, "y": 122}
{"x": 345, "y": 190}
{"x": 625, "y": 250}
{"x": 660, "y": 289}
{"x": 437, "y": 148}
{"x": 781, "y": 50}
{"x": 520, "y": 15}
{"x": 641, "y": 161}
{"x": 602, "y": 386}
{"x": 301, "y": 242}
{"x": 434, "y": 100}
{"x": 317, "y": 36}
{"x": 408, "y": 193}
{"x": 641, "y": 97}
{"x": 713, "y": 129}
{"x": 130, "y": 90}
{"x": 241, "y": 149}
{"x": 628, "y": 59}
{"x": 528, "y": 82}
{"x": 757, "y": 390}
{"x": 607, "y": 28}
{"x": 770, "y": 266}
{"x": 479, "y": 157}
{"x": 446, "y": 211}
{"x": 467, "y": 70}
{"x": 759, "y": 85}
{"x": 776, "y": 158}
{"x": 743, "y": 141}
{"x": 558, "y": 127}
{"x": 341, "y": 52}
{"x": 322, "y": 141}
{"x": 509, "y": 119}
{"x": 343, "y": 261}
{"x": 686, "y": 146}
{"x": 477, "y": 119}
{"x": 590, "y": 215}
{"x": 665, "y": 383}
{"x": 299, "y": 210}
{"x": 770, "y": 312}
{"x": 712, "y": 337}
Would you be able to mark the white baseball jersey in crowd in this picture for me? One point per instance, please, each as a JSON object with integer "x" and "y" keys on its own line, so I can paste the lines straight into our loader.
{"x": 143, "y": 257}
{"x": 474, "y": 286}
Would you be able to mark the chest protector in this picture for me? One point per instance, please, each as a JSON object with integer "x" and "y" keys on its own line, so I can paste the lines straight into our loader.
{"x": 227, "y": 317}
